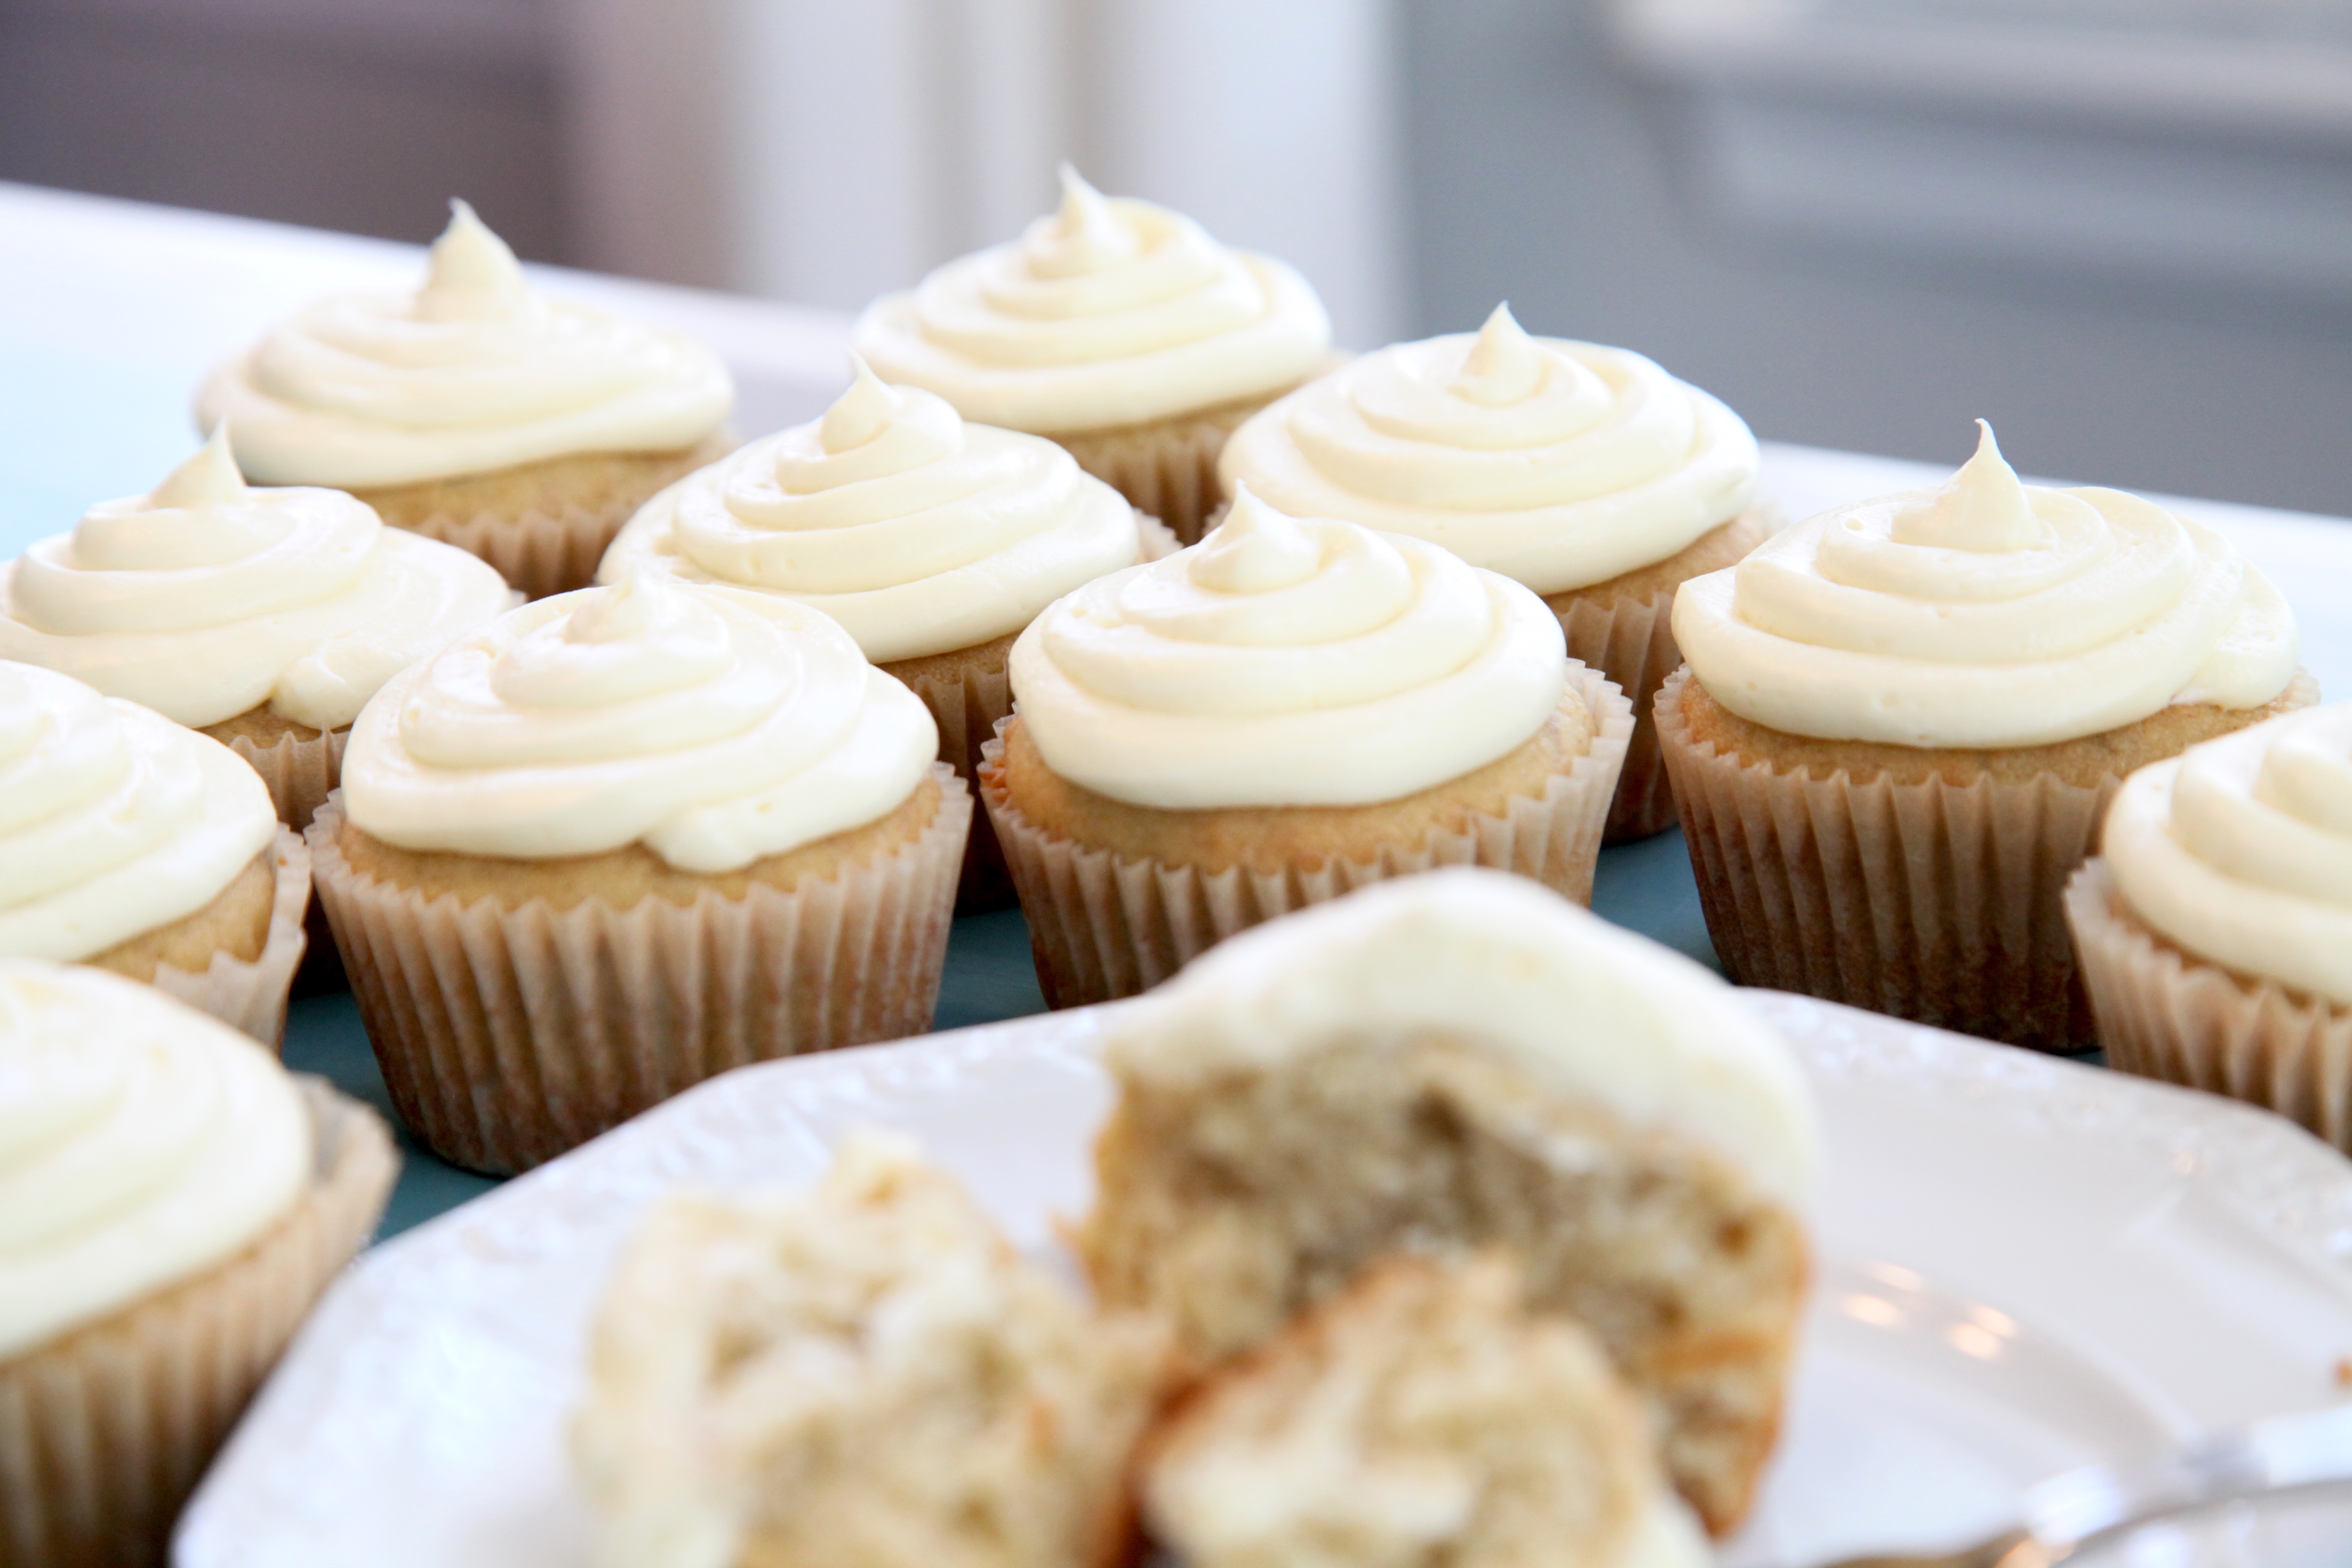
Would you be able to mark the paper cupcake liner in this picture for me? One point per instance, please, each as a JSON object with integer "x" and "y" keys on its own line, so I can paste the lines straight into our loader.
{"x": 1169, "y": 467}
{"x": 251, "y": 996}
{"x": 2164, "y": 1013}
{"x": 1103, "y": 925}
{"x": 300, "y": 773}
{"x": 537, "y": 552}
{"x": 508, "y": 1036}
{"x": 105, "y": 1432}
{"x": 1632, "y": 642}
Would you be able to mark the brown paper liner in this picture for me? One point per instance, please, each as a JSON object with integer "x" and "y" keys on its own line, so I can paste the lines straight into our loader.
{"x": 251, "y": 996}
{"x": 1167, "y": 468}
{"x": 508, "y": 1036}
{"x": 105, "y": 1432}
{"x": 300, "y": 773}
{"x": 538, "y": 553}
{"x": 2164, "y": 1014}
{"x": 967, "y": 707}
{"x": 1103, "y": 926}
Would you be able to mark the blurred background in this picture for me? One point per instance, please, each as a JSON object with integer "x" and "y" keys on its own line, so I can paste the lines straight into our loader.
{"x": 2121, "y": 229}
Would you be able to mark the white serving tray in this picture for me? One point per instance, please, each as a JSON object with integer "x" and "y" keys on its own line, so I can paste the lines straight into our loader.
{"x": 2024, "y": 1265}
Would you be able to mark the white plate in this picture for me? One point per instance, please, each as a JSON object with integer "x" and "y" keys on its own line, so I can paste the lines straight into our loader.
{"x": 2025, "y": 1265}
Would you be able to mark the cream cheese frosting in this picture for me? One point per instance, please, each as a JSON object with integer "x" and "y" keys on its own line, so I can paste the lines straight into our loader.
{"x": 206, "y": 597}
{"x": 141, "y": 1143}
{"x": 1580, "y": 1005}
{"x": 114, "y": 821}
{"x": 1112, "y": 311}
{"x": 2240, "y": 849}
{"x": 1561, "y": 463}
{"x": 714, "y": 730}
{"x": 916, "y": 532}
{"x": 1985, "y": 613}
{"x": 1284, "y": 661}
{"x": 472, "y": 372}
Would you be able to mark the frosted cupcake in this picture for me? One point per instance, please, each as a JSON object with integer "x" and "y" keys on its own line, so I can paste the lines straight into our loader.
{"x": 132, "y": 844}
{"x": 1901, "y": 720}
{"x": 476, "y": 412}
{"x": 1291, "y": 709}
{"x": 1118, "y": 328}
{"x": 265, "y": 617}
{"x": 933, "y": 541}
{"x": 2216, "y": 929}
{"x": 623, "y": 839}
{"x": 176, "y": 1203}
{"x": 1587, "y": 473}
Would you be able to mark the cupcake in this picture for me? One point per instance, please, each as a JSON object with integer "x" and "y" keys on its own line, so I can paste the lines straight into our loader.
{"x": 264, "y": 617}
{"x": 1458, "y": 1064}
{"x": 933, "y": 541}
{"x": 133, "y": 845}
{"x": 1118, "y": 328}
{"x": 1287, "y": 710}
{"x": 863, "y": 1374}
{"x": 475, "y": 412}
{"x": 176, "y": 1203}
{"x": 2215, "y": 931}
{"x": 1901, "y": 720}
{"x": 622, "y": 839}
{"x": 1587, "y": 473}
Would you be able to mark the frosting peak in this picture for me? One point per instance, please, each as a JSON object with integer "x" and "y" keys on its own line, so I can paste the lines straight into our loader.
{"x": 1280, "y": 662}
{"x": 2241, "y": 850}
{"x": 716, "y": 731}
{"x": 1984, "y": 507}
{"x": 1084, "y": 235}
{"x": 918, "y": 533}
{"x": 207, "y": 597}
{"x": 1985, "y": 613}
{"x": 470, "y": 372}
{"x": 1559, "y": 464}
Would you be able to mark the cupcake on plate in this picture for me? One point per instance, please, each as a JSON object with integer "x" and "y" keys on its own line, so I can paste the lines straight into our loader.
{"x": 1587, "y": 473}
{"x": 623, "y": 839}
{"x": 264, "y": 617}
{"x": 176, "y": 1203}
{"x": 933, "y": 541}
{"x": 474, "y": 411}
{"x": 1118, "y": 328}
{"x": 1287, "y": 710}
{"x": 2215, "y": 929}
{"x": 132, "y": 844}
{"x": 1455, "y": 1065}
{"x": 1901, "y": 720}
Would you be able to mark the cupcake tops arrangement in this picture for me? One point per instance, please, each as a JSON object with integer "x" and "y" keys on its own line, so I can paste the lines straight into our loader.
{"x": 266, "y": 617}
{"x": 1117, "y": 327}
{"x": 523, "y": 428}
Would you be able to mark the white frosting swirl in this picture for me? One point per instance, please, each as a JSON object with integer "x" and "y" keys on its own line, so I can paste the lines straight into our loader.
{"x": 1559, "y": 463}
{"x": 1986, "y": 613}
{"x": 1286, "y": 662}
{"x": 113, "y": 820}
{"x": 1581, "y": 1004}
{"x": 204, "y": 598}
{"x": 471, "y": 374}
{"x": 714, "y": 730}
{"x": 141, "y": 1143}
{"x": 915, "y": 531}
{"x": 2241, "y": 850}
{"x": 1110, "y": 313}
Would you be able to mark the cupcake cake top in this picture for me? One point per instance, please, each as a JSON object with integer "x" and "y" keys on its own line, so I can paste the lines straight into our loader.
{"x": 713, "y": 729}
{"x": 1112, "y": 311}
{"x": 1287, "y": 661}
{"x": 916, "y": 532}
{"x": 470, "y": 373}
{"x": 1559, "y": 463}
{"x": 206, "y": 597}
{"x": 141, "y": 1143}
{"x": 2241, "y": 850}
{"x": 1985, "y": 613}
{"x": 113, "y": 820}
{"x": 1575, "y": 1002}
